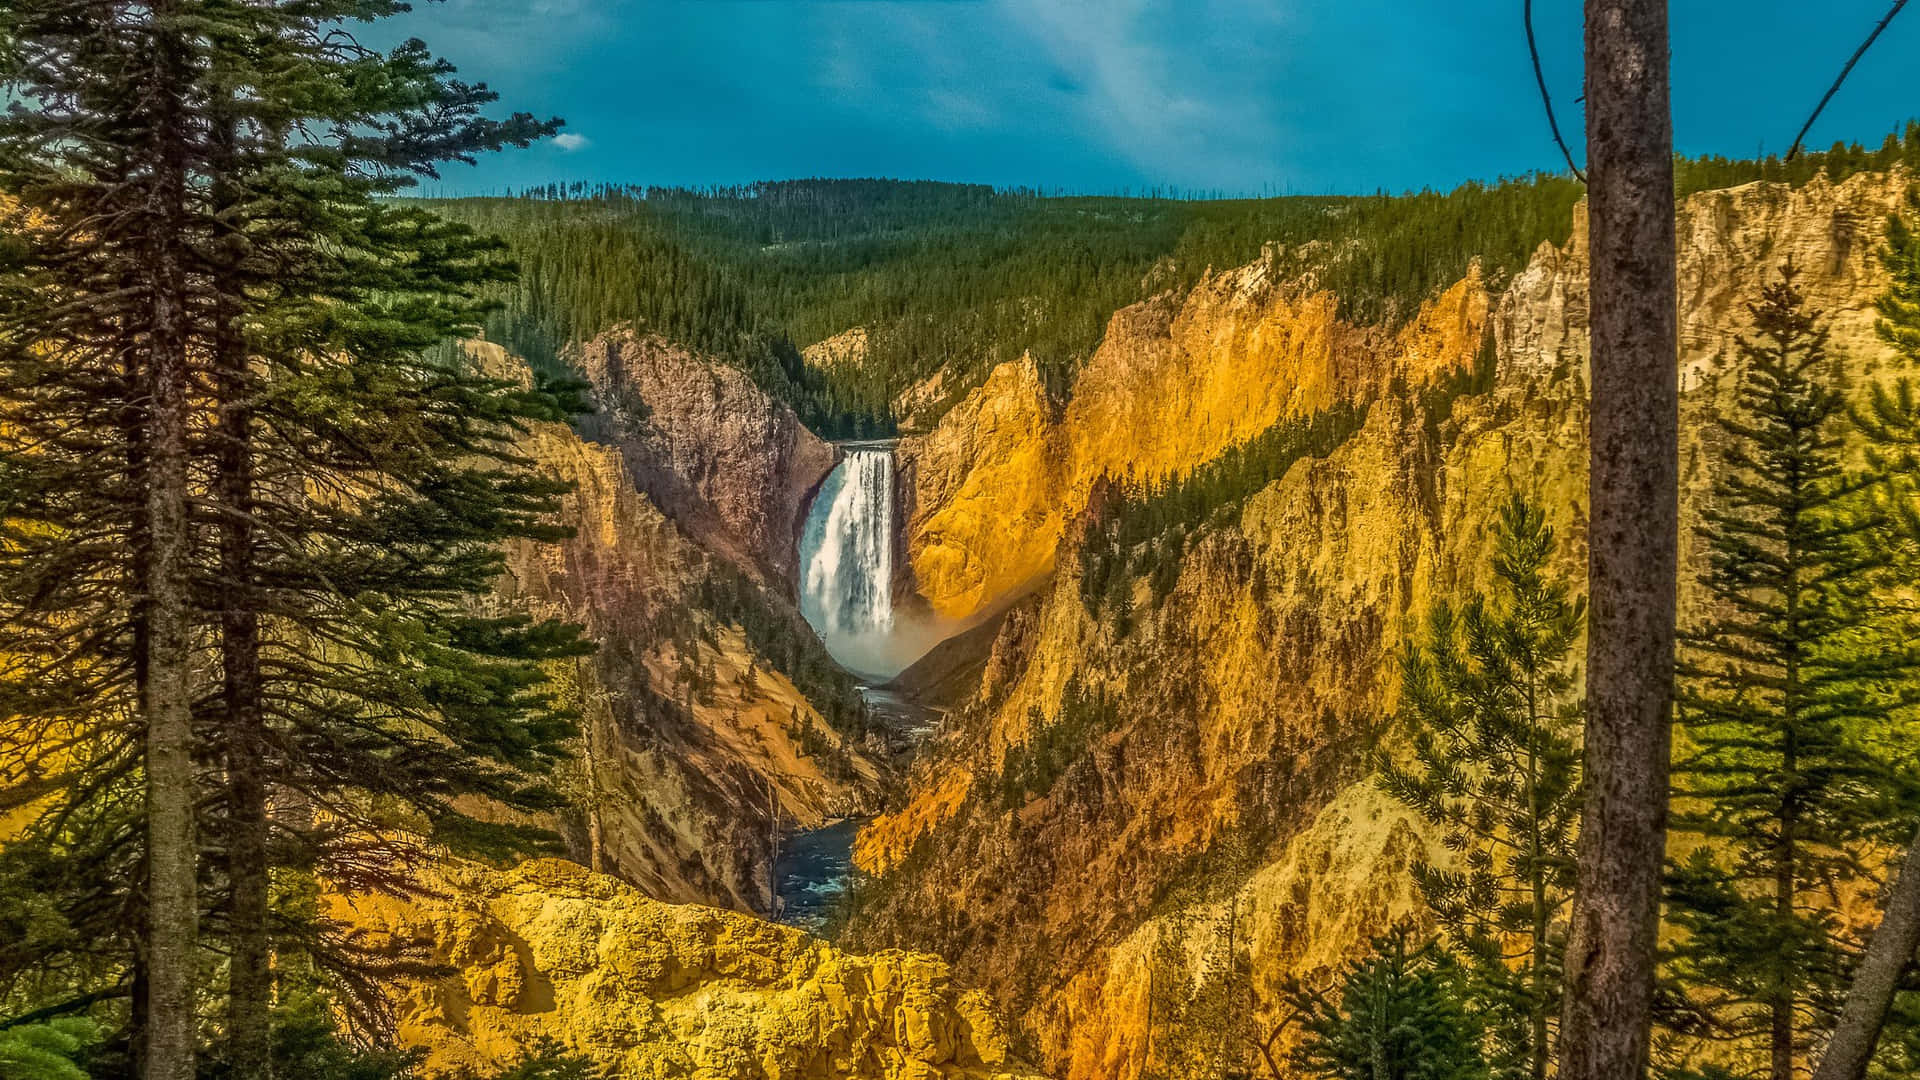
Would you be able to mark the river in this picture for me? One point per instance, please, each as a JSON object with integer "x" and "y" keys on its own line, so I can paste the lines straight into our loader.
{"x": 815, "y": 866}
{"x": 846, "y": 593}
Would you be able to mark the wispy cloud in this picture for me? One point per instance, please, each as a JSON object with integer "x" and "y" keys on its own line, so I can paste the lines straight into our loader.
{"x": 571, "y": 141}
{"x": 1171, "y": 90}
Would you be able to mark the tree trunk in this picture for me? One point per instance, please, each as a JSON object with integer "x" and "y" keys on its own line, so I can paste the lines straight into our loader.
{"x": 249, "y": 973}
{"x": 1878, "y": 978}
{"x": 166, "y": 697}
{"x": 1786, "y": 876}
{"x": 1633, "y": 537}
{"x": 1537, "y": 985}
{"x": 133, "y": 430}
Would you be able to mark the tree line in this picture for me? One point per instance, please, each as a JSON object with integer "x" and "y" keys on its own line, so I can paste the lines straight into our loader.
{"x": 957, "y": 278}
{"x": 954, "y": 279}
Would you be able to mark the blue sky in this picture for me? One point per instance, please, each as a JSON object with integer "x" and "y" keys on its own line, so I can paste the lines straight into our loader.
{"x": 1244, "y": 96}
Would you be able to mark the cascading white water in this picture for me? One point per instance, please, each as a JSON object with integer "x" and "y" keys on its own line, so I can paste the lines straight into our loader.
{"x": 846, "y": 554}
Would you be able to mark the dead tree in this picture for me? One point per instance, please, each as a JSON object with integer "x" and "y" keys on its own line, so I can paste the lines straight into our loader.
{"x": 1633, "y": 556}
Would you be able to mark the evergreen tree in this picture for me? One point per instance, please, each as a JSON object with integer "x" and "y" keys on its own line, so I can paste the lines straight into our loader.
{"x": 54, "y": 1050}
{"x": 1889, "y": 418}
{"x": 1490, "y": 697}
{"x": 201, "y": 200}
{"x": 97, "y": 138}
{"x": 1880, "y": 1024}
{"x": 328, "y": 385}
{"x": 1399, "y": 1013}
{"x": 1775, "y": 688}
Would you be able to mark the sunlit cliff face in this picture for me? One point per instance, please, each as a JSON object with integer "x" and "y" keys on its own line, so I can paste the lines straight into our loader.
{"x": 1230, "y": 787}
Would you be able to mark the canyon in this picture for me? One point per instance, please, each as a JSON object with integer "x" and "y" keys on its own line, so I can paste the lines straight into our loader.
{"x": 1213, "y": 833}
{"x": 1220, "y": 817}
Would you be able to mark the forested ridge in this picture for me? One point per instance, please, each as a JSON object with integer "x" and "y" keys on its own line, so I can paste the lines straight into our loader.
{"x": 956, "y": 278}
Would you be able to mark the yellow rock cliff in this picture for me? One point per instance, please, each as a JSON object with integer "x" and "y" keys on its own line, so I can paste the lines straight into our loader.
{"x": 655, "y": 991}
{"x": 1175, "y": 382}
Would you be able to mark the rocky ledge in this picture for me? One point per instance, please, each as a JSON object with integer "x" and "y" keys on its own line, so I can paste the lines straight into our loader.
{"x": 655, "y": 990}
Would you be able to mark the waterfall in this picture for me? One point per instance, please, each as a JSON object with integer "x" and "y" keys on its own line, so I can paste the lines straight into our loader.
{"x": 847, "y": 562}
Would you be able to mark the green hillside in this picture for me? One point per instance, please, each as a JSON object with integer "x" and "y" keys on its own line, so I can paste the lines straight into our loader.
{"x": 956, "y": 278}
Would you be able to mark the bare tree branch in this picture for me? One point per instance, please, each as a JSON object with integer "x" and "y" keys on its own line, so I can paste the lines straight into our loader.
{"x": 1546, "y": 99}
{"x": 1794, "y": 151}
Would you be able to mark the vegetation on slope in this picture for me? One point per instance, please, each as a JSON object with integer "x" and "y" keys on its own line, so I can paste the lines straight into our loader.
{"x": 953, "y": 279}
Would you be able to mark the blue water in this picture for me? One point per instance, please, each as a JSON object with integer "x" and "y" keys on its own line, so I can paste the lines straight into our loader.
{"x": 815, "y": 865}
{"x": 812, "y": 872}
{"x": 846, "y": 593}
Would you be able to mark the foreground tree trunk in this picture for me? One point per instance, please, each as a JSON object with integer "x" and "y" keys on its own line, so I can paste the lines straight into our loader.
{"x": 1878, "y": 978}
{"x": 1633, "y": 537}
{"x": 249, "y": 968}
{"x": 166, "y": 698}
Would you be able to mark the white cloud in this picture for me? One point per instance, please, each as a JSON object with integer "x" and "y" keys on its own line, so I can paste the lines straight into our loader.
{"x": 571, "y": 141}
{"x": 1174, "y": 94}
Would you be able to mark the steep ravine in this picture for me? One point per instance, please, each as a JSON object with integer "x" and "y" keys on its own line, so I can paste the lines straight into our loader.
{"x": 1222, "y": 792}
{"x": 700, "y": 745}
{"x": 696, "y": 733}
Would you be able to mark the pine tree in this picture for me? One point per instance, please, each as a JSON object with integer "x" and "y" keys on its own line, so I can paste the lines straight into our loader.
{"x": 332, "y": 388}
{"x": 1774, "y": 690}
{"x": 200, "y": 201}
{"x": 1400, "y": 1013}
{"x": 97, "y": 139}
{"x": 1880, "y": 1023}
{"x": 1490, "y": 697}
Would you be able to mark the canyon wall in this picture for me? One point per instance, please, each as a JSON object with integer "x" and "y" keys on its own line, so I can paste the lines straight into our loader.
{"x": 1175, "y": 381}
{"x": 696, "y": 738}
{"x": 1222, "y": 799}
{"x": 734, "y": 467}
{"x": 549, "y": 950}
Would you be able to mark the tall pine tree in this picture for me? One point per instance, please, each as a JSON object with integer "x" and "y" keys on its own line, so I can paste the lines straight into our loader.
{"x": 1775, "y": 687}
{"x": 320, "y": 528}
{"x": 1490, "y": 697}
{"x": 1880, "y": 998}
{"x": 98, "y": 140}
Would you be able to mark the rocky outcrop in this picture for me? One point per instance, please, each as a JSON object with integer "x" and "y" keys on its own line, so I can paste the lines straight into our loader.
{"x": 1229, "y": 785}
{"x": 734, "y": 467}
{"x": 843, "y": 350}
{"x": 1175, "y": 381}
{"x": 695, "y": 738}
{"x": 648, "y": 989}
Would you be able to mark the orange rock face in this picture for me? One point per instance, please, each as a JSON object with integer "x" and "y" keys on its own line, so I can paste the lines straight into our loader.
{"x": 1226, "y": 803}
{"x": 1173, "y": 384}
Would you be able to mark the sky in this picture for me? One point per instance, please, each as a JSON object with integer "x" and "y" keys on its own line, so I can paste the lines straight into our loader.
{"x": 1109, "y": 96}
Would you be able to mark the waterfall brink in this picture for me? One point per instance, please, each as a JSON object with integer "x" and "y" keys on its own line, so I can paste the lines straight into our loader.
{"x": 847, "y": 560}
